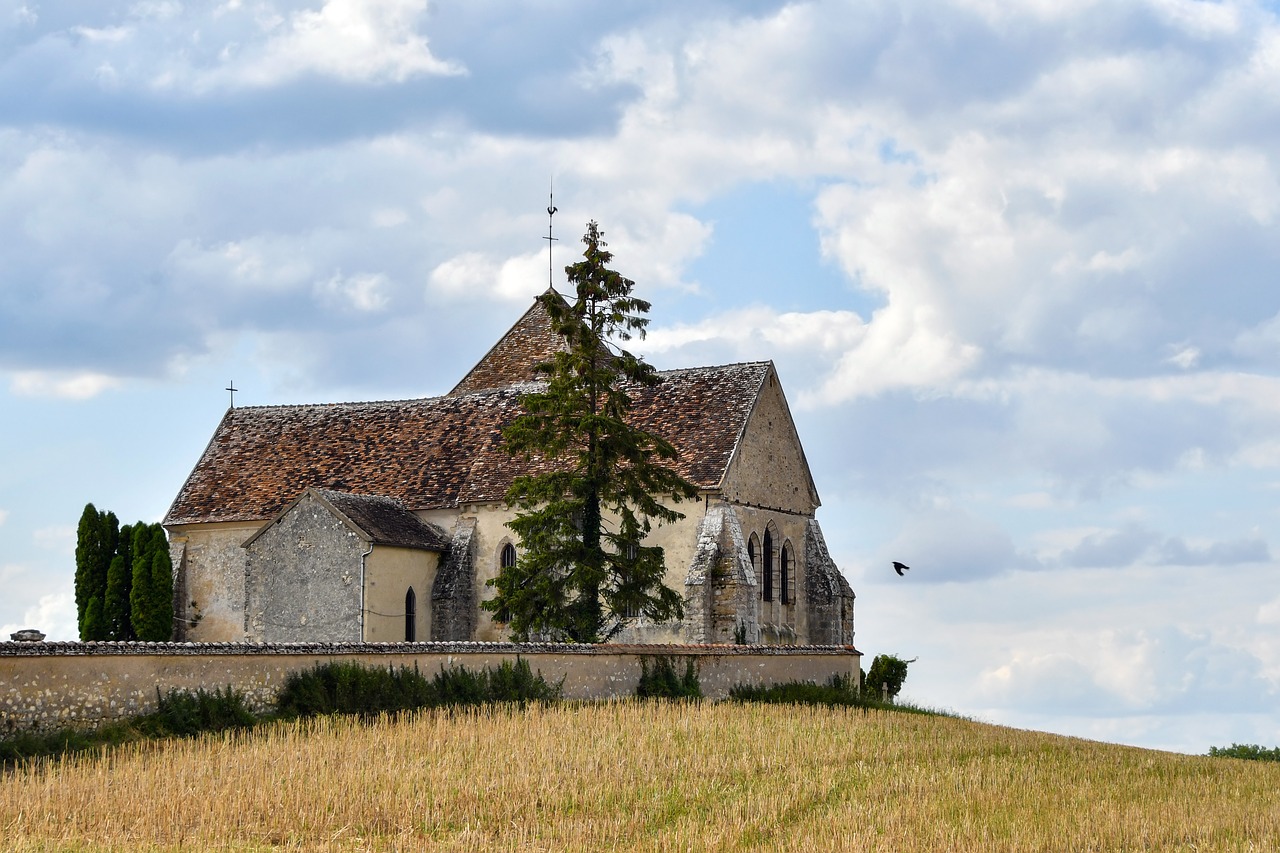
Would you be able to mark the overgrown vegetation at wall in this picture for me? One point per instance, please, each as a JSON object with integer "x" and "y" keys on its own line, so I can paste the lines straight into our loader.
{"x": 660, "y": 680}
{"x": 177, "y": 714}
{"x": 348, "y": 688}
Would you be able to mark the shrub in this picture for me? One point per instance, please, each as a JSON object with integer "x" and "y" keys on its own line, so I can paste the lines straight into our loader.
{"x": 662, "y": 681}
{"x": 838, "y": 691}
{"x": 887, "y": 672}
{"x": 185, "y": 714}
{"x": 348, "y": 688}
{"x": 1247, "y": 751}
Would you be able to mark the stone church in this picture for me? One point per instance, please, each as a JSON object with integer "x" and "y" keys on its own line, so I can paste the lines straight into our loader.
{"x": 382, "y": 521}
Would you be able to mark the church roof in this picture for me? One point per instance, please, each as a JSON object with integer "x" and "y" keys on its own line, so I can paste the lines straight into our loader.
{"x": 376, "y": 519}
{"x": 512, "y": 359}
{"x": 441, "y": 451}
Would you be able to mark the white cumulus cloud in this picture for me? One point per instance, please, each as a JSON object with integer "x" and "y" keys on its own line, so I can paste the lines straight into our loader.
{"x": 364, "y": 41}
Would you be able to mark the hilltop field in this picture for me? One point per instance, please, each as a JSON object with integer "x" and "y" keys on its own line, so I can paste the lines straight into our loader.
{"x": 640, "y": 776}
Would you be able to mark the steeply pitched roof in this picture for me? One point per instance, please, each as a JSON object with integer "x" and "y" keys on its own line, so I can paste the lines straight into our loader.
{"x": 513, "y": 358}
{"x": 376, "y": 519}
{"x": 441, "y": 451}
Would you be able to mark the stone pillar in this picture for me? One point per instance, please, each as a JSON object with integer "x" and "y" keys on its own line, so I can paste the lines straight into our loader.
{"x": 828, "y": 594}
{"x": 453, "y": 595}
{"x": 720, "y": 590}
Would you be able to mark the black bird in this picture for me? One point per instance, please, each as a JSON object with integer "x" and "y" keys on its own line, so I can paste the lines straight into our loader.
{"x": 899, "y": 568}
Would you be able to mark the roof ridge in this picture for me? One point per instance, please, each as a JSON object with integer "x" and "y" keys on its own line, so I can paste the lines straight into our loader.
{"x": 762, "y": 363}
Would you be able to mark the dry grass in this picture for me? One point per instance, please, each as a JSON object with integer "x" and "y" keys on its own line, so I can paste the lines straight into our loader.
{"x": 646, "y": 777}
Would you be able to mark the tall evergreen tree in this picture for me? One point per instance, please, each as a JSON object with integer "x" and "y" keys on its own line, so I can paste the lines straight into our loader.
{"x": 116, "y": 607}
{"x": 151, "y": 596}
{"x": 96, "y": 538}
{"x": 94, "y": 627}
{"x": 582, "y": 525}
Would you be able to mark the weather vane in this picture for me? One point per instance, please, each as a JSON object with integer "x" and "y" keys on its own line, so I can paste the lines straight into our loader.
{"x": 231, "y": 386}
{"x": 551, "y": 212}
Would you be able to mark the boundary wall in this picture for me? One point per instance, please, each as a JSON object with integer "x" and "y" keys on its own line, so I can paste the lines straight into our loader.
{"x": 55, "y": 685}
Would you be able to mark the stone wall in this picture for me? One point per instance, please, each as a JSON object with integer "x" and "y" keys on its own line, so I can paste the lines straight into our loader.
{"x": 209, "y": 579}
{"x": 303, "y": 577}
{"x": 52, "y": 685}
{"x": 769, "y": 468}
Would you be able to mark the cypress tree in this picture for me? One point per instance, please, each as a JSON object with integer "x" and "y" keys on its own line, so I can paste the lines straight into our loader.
{"x": 160, "y": 612}
{"x": 151, "y": 598}
{"x": 116, "y": 606}
{"x": 96, "y": 539}
{"x": 582, "y": 524}
{"x": 94, "y": 628}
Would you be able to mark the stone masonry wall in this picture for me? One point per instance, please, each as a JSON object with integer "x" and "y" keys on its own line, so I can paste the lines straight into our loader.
{"x": 302, "y": 581}
{"x": 51, "y": 685}
{"x": 829, "y": 596}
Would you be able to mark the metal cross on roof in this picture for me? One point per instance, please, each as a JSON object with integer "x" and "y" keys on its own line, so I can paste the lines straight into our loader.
{"x": 231, "y": 386}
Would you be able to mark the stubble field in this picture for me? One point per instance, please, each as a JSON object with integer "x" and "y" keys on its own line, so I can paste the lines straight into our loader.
{"x": 641, "y": 776}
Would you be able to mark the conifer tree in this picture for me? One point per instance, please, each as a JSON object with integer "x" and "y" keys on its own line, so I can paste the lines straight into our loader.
{"x": 151, "y": 596}
{"x": 116, "y": 606}
{"x": 96, "y": 539}
{"x": 93, "y": 628}
{"x": 582, "y": 525}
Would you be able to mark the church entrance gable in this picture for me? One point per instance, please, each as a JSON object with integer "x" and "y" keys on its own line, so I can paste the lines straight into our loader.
{"x": 303, "y": 578}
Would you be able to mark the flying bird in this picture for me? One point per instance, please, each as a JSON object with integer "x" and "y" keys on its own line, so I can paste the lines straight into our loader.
{"x": 899, "y": 568}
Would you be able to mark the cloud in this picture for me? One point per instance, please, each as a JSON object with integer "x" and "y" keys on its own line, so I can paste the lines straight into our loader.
{"x": 4, "y": 516}
{"x": 948, "y": 544}
{"x": 1175, "y": 551}
{"x": 1133, "y": 543}
{"x": 71, "y": 386}
{"x": 758, "y": 331}
{"x": 1111, "y": 548}
{"x": 363, "y": 291}
{"x": 1121, "y": 672}
{"x": 365, "y": 41}
{"x": 54, "y": 614}
{"x": 1269, "y": 613}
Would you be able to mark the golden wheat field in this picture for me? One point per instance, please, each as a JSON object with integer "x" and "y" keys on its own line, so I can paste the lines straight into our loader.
{"x": 641, "y": 776}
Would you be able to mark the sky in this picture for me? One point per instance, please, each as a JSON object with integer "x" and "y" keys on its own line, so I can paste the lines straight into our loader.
{"x": 1016, "y": 263}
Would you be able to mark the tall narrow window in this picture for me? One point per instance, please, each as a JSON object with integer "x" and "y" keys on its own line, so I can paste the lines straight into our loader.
{"x": 410, "y": 617}
{"x": 766, "y": 567}
{"x": 785, "y": 568}
{"x": 506, "y": 559}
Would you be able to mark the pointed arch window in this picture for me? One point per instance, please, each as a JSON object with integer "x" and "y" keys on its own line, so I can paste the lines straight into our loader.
{"x": 766, "y": 568}
{"x": 506, "y": 559}
{"x": 786, "y": 573}
{"x": 410, "y": 616}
